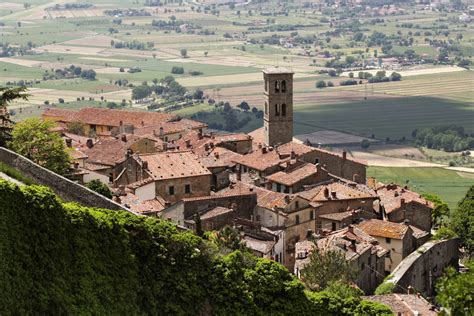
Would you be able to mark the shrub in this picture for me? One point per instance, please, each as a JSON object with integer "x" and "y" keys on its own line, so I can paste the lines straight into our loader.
{"x": 99, "y": 187}
{"x": 321, "y": 84}
{"x": 67, "y": 259}
{"x": 385, "y": 288}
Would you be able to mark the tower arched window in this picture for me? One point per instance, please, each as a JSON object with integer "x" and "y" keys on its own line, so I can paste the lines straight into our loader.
{"x": 266, "y": 107}
{"x": 283, "y": 109}
{"x": 277, "y": 86}
{"x": 277, "y": 109}
{"x": 283, "y": 86}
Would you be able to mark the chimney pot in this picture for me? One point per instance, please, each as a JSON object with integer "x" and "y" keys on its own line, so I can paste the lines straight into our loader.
{"x": 264, "y": 150}
{"x": 69, "y": 142}
{"x": 333, "y": 194}
{"x": 145, "y": 165}
{"x": 326, "y": 192}
{"x": 344, "y": 154}
{"x": 161, "y": 131}
{"x": 124, "y": 138}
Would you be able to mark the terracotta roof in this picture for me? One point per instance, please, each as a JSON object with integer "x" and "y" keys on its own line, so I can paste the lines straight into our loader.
{"x": 405, "y": 304}
{"x": 143, "y": 207}
{"x": 220, "y": 157}
{"x": 392, "y": 196}
{"x": 261, "y": 160}
{"x": 265, "y": 198}
{"x": 171, "y": 127}
{"x": 418, "y": 233}
{"x": 336, "y": 191}
{"x": 294, "y": 175}
{"x": 76, "y": 154}
{"x": 108, "y": 117}
{"x": 380, "y": 228}
{"x": 218, "y": 195}
{"x": 171, "y": 165}
{"x": 109, "y": 151}
{"x": 262, "y": 246}
{"x": 340, "y": 216}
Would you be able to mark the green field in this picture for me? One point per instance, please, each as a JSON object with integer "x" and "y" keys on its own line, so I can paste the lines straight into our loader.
{"x": 450, "y": 185}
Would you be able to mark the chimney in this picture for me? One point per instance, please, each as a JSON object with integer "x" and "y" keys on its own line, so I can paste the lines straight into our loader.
{"x": 124, "y": 138}
{"x": 200, "y": 135}
{"x": 89, "y": 143}
{"x": 188, "y": 143}
{"x": 264, "y": 150}
{"x": 287, "y": 199}
{"x": 206, "y": 147}
{"x": 161, "y": 131}
{"x": 143, "y": 123}
{"x": 402, "y": 202}
{"x": 121, "y": 123}
{"x": 333, "y": 194}
{"x": 344, "y": 155}
{"x": 353, "y": 245}
{"x": 165, "y": 146}
{"x": 293, "y": 154}
{"x": 145, "y": 165}
{"x": 239, "y": 175}
{"x": 216, "y": 154}
{"x": 326, "y": 192}
{"x": 129, "y": 153}
{"x": 406, "y": 222}
{"x": 69, "y": 142}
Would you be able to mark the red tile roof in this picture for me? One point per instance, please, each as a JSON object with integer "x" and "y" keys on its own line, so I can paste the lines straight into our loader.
{"x": 108, "y": 117}
{"x": 380, "y": 228}
{"x": 392, "y": 196}
{"x": 336, "y": 191}
{"x": 171, "y": 127}
{"x": 220, "y": 157}
{"x": 405, "y": 304}
{"x": 171, "y": 165}
{"x": 293, "y": 176}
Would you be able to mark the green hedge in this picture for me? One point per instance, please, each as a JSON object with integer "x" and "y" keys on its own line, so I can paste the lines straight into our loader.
{"x": 62, "y": 258}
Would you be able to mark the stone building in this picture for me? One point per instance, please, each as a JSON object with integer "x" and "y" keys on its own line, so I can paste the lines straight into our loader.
{"x": 362, "y": 250}
{"x": 171, "y": 175}
{"x": 398, "y": 204}
{"x": 399, "y": 239}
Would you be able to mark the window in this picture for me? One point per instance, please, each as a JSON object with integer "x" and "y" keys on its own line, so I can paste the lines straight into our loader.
{"x": 297, "y": 205}
{"x": 187, "y": 188}
{"x": 283, "y": 86}
{"x": 316, "y": 161}
{"x": 277, "y": 86}
{"x": 388, "y": 240}
{"x": 93, "y": 127}
{"x": 333, "y": 226}
{"x": 311, "y": 215}
{"x": 171, "y": 190}
{"x": 362, "y": 266}
{"x": 277, "y": 110}
{"x": 283, "y": 109}
{"x": 266, "y": 107}
{"x": 297, "y": 219}
{"x": 276, "y": 258}
{"x": 278, "y": 187}
{"x": 109, "y": 128}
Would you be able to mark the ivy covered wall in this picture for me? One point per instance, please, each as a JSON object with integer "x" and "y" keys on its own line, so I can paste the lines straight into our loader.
{"x": 62, "y": 258}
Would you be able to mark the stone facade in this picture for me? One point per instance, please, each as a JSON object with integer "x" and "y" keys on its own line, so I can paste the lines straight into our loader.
{"x": 278, "y": 113}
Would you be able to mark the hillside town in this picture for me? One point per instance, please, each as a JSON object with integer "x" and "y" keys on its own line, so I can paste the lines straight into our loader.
{"x": 284, "y": 197}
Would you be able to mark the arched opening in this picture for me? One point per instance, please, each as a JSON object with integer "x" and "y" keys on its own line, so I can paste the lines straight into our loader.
{"x": 277, "y": 86}
{"x": 277, "y": 110}
{"x": 283, "y": 86}
{"x": 266, "y": 107}
{"x": 283, "y": 109}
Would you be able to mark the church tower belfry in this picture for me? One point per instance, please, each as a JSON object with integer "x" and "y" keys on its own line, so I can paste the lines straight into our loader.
{"x": 278, "y": 112}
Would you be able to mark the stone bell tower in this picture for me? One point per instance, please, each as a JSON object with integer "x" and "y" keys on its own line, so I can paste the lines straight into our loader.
{"x": 278, "y": 115}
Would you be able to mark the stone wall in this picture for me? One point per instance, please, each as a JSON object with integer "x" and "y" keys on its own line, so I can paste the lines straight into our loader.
{"x": 66, "y": 189}
{"x": 425, "y": 265}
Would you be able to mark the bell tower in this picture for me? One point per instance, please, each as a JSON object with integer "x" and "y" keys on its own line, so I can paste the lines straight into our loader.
{"x": 278, "y": 112}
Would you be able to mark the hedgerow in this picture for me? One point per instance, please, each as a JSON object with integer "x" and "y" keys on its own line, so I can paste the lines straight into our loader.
{"x": 63, "y": 258}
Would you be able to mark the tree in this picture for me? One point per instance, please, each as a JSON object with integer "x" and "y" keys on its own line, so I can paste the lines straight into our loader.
{"x": 462, "y": 221}
{"x": 141, "y": 92}
{"x": 34, "y": 139}
{"x": 321, "y": 84}
{"x": 365, "y": 143}
{"x": 198, "y": 94}
{"x": 327, "y": 266}
{"x": 244, "y": 106}
{"x": 184, "y": 52}
{"x": 441, "y": 211}
{"x": 454, "y": 290}
{"x": 99, "y": 187}
{"x": 6, "y": 124}
{"x": 76, "y": 128}
{"x": 395, "y": 76}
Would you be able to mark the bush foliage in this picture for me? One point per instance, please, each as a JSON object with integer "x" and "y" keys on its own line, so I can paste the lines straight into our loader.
{"x": 62, "y": 258}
